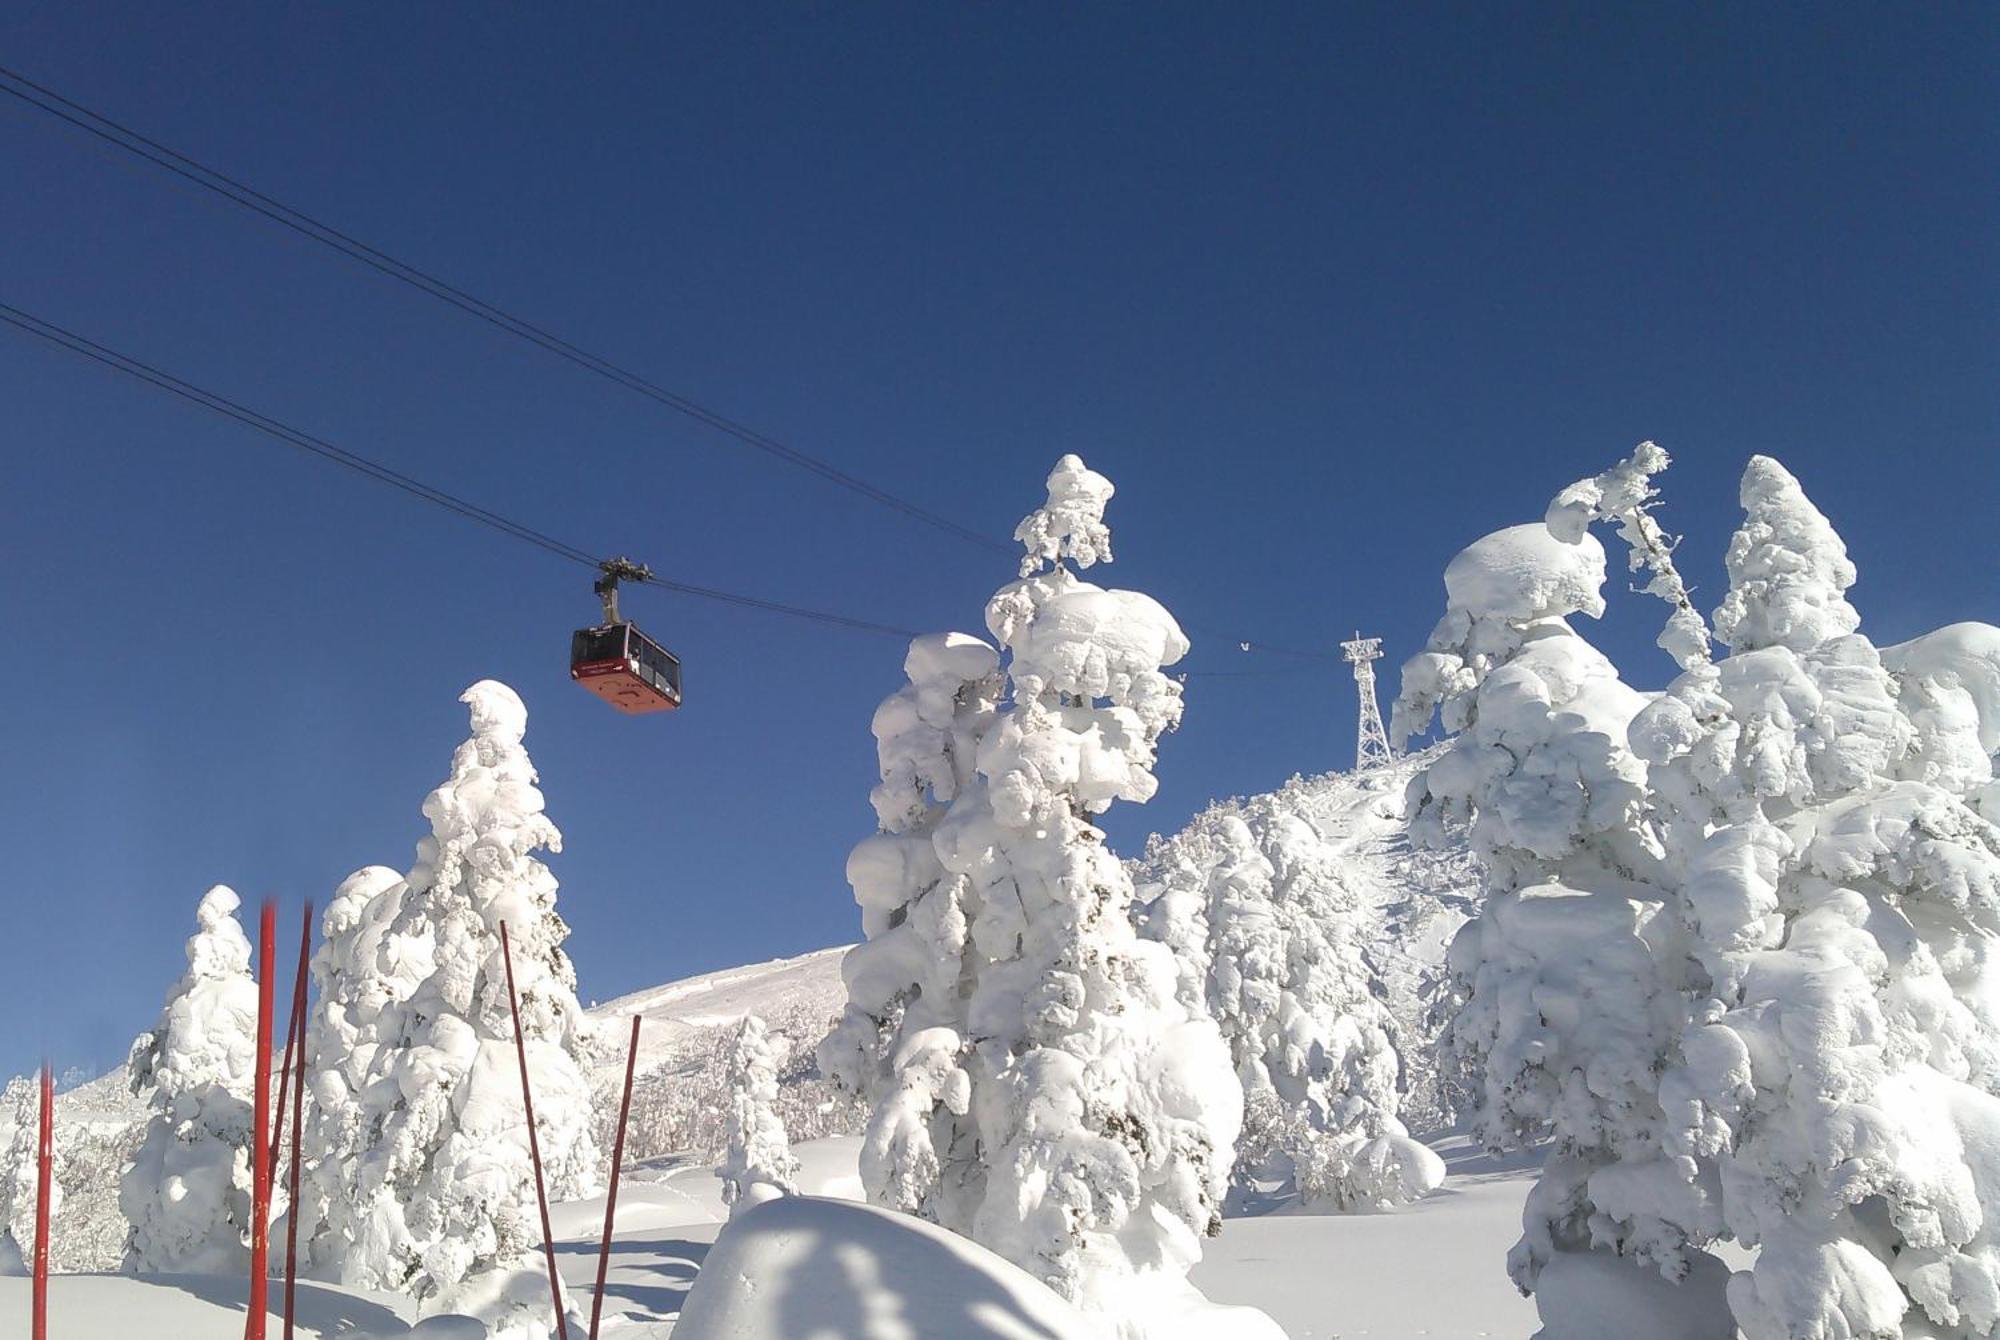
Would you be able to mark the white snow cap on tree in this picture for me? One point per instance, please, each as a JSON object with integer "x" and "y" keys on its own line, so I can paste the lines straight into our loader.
{"x": 443, "y": 1187}
{"x": 758, "y": 1163}
{"x": 1268, "y": 940}
{"x": 187, "y": 1195}
{"x": 1037, "y": 1084}
{"x": 1788, "y": 570}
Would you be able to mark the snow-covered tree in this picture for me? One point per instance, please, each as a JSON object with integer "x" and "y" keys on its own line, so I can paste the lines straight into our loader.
{"x": 359, "y": 972}
{"x": 1566, "y": 988}
{"x": 901, "y": 1040}
{"x": 187, "y": 1195}
{"x": 1842, "y": 898}
{"x": 86, "y": 1230}
{"x": 1037, "y": 1083}
{"x": 1268, "y": 939}
{"x": 19, "y": 1179}
{"x": 758, "y": 1162}
{"x": 1748, "y": 990}
{"x": 443, "y": 1188}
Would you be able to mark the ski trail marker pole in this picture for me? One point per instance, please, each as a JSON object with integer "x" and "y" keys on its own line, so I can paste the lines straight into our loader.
{"x": 293, "y": 1054}
{"x": 534, "y": 1145}
{"x": 260, "y": 1139}
{"x": 298, "y": 1045}
{"x": 45, "y": 1157}
{"x": 611, "y": 1195}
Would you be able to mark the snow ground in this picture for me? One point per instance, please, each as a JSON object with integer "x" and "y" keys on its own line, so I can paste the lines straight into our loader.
{"x": 1434, "y": 1270}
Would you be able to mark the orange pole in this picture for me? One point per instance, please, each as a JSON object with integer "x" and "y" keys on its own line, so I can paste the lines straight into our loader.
{"x": 260, "y": 1146}
{"x": 534, "y": 1144}
{"x": 617, "y": 1162}
{"x": 45, "y": 1157}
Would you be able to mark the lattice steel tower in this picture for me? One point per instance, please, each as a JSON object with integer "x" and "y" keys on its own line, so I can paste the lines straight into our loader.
{"x": 1371, "y": 742}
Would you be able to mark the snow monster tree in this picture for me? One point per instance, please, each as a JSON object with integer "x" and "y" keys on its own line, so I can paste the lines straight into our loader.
{"x": 757, "y": 1162}
{"x": 187, "y": 1194}
{"x": 443, "y": 1191}
{"x": 1269, "y": 941}
{"x": 1036, "y": 1083}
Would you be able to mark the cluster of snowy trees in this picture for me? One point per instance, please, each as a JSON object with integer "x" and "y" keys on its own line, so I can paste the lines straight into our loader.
{"x": 1269, "y": 941}
{"x": 1737, "y": 963}
{"x": 417, "y": 1174}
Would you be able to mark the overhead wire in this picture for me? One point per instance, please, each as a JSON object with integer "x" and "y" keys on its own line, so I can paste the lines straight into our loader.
{"x": 62, "y": 337}
{"x": 96, "y": 123}
{"x": 112, "y": 132}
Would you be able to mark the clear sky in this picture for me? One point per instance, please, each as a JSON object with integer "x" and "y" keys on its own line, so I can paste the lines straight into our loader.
{"x": 1328, "y": 290}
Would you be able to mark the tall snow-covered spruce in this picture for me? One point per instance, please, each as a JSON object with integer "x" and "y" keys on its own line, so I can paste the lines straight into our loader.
{"x": 187, "y": 1194}
{"x": 1841, "y": 896}
{"x": 1036, "y": 1082}
{"x": 1268, "y": 939}
{"x": 443, "y": 1200}
{"x": 758, "y": 1163}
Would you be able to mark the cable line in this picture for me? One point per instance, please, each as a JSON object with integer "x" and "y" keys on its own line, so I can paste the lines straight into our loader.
{"x": 317, "y": 446}
{"x": 120, "y": 136}
{"x": 54, "y": 104}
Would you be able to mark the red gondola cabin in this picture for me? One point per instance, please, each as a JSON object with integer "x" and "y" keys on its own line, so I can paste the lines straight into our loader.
{"x": 626, "y": 668}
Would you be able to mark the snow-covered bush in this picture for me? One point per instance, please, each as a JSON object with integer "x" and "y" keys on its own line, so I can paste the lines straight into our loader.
{"x": 1268, "y": 938}
{"x": 757, "y": 1163}
{"x": 680, "y": 1098}
{"x": 1737, "y": 959}
{"x": 187, "y": 1194}
{"x": 442, "y": 1192}
{"x": 1036, "y": 1082}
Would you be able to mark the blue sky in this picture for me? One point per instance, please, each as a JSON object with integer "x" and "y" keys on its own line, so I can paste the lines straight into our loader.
{"x": 1327, "y": 290}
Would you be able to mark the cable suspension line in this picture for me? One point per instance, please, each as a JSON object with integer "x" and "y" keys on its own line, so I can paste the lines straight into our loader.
{"x": 46, "y": 100}
{"x": 95, "y": 123}
{"x": 51, "y": 333}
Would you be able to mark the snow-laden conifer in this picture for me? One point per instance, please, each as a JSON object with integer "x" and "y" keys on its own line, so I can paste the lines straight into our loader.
{"x": 443, "y": 1199}
{"x": 1841, "y": 1071}
{"x": 1566, "y": 987}
{"x": 20, "y": 1178}
{"x": 187, "y": 1195}
{"x": 1268, "y": 940}
{"x": 358, "y": 972}
{"x": 1037, "y": 1083}
{"x": 758, "y": 1162}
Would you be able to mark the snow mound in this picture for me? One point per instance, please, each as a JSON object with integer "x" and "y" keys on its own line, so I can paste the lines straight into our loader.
{"x": 801, "y": 1266}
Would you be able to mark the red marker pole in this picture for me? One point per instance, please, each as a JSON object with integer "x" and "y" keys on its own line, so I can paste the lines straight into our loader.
{"x": 45, "y": 1157}
{"x": 260, "y": 1147}
{"x": 297, "y": 1044}
{"x": 534, "y": 1144}
{"x": 617, "y": 1163}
